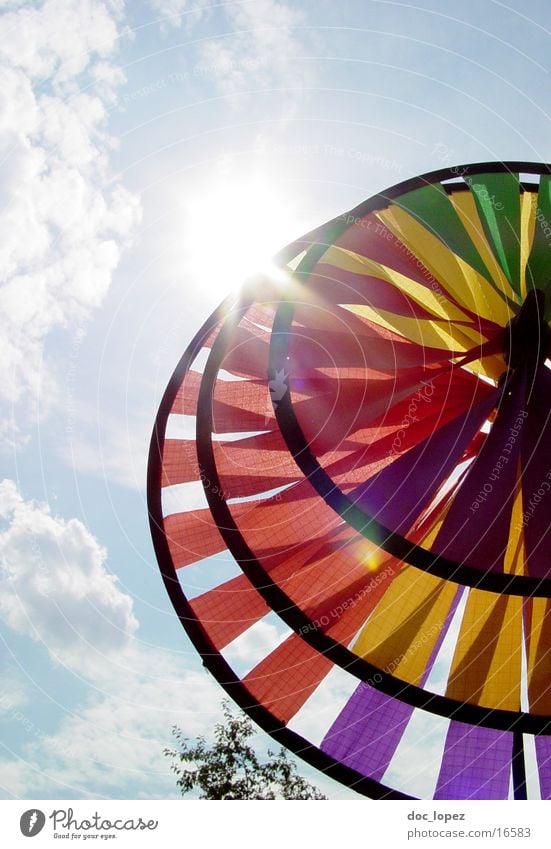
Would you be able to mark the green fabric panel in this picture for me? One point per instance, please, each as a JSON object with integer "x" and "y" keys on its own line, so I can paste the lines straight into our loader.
{"x": 497, "y": 198}
{"x": 434, "y": 210}
{"x": 538, "y": 271}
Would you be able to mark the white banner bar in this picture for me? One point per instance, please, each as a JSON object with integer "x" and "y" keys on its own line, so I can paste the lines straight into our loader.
{"x": 179, "y": 824}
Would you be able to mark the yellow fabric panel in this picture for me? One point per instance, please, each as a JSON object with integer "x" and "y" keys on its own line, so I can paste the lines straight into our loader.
{"x": 538, "y": 651}
{"x": 475, "y": 293}
{"x": 401, "y": 632}
{"x": 514, "y": 560}
{"x": 491, "y": 367}
{"x": 486, "y": 664}
{"x": 423, "y": 295}
{"x": 485, "y": 298}
{"x": 528, "y": 208}
{"x": 430, "y": 334}
{"x": 465, "y": 207}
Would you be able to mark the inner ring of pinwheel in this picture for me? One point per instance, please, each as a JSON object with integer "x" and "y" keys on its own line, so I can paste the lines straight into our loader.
{"x": 352, "y": 510}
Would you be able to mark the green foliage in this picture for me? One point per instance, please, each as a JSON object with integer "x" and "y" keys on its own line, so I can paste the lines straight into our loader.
{"x": 230, "y": 767}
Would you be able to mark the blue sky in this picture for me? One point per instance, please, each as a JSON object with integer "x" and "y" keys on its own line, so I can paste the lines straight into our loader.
{"x": 152, "y": 153}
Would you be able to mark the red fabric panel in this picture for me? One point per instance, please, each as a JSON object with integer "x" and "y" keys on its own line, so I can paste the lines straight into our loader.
{"x": 179, "y": 462}
{"x": 283, "y": 561}
{"x": 185, "y": 401}
{"x": 347, "y": 406}
{"x": 254, "y": 465}
{"x": 311, "y": 348}
{"x": 242, "y": 406}
{"x": 453, "y": 393}
{"x": 230, "y": 609}
{"x": 247, "y": 353}
{"x": 299, "y": 514}
{"x": 287, "y": 677}
{"x": 343, "y": 613}
{"x": 192, "y": 536}
{"x": 246, "y": 466}
{"x": 262, "y": 314}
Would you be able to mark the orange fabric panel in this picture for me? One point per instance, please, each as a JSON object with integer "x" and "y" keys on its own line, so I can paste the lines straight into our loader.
{"x": 245, "y": 466}
{"x": 242, "y": 406}
{"x": 401, "y": 633}
{"x": 192, "y": 536}
{"x": 230, "y": 609}
{"x": 297, "y": 514}
{"x": 342, "y": 587}
{"x": 348, "y": 613}
{"x": 179, "y": 462}
{"x": 247, "y": 353}
{"x": 185, "y": 401}
{"x": 287, "y": 677}
{"x": 538, "y": 650}
{"x": 487, "y": 660}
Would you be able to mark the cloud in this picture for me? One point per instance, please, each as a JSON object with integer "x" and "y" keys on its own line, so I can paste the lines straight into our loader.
{"x": 65, "y": 220}
{"x": 177, "y": 12}
{"x": 54, "y": 585}
{"x": 13, "y": 692}
{"x": 112, "y": 744}
{"x": 36, "y": 39}
{"x": 264, "y": 50}
{"x": 56, "y": 590}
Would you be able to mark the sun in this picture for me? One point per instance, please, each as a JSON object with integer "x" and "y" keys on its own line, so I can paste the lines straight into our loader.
{"x": 233, "y": 230}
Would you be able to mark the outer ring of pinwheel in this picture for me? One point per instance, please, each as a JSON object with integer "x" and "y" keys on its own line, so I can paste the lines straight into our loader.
{"x": 285, "y": 607}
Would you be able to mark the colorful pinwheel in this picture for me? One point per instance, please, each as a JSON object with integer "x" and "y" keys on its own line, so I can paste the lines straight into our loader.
{"x": 366, "y": 431}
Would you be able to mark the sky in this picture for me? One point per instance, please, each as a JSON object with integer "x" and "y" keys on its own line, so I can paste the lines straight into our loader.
{"x": 153, "y": 153}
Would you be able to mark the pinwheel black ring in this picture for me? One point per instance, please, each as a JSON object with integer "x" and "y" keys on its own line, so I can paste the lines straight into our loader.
{"x": 299, "y": 447}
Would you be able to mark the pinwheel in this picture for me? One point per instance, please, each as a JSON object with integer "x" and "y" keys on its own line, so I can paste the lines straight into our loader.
{"x": 349, "y": 490}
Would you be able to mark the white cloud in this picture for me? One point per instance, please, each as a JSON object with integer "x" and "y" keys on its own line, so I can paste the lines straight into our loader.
{"x": 13, "y": 692}
{"x": 113, "y": 743}
{"x": 265, "y": 48}
{"x": 37, "y": 41}
{"x": 64, "y": 219}
{"x": 54, "y": 585}
{"x": 178, "y": 12}
{"x": 56, "y": 590}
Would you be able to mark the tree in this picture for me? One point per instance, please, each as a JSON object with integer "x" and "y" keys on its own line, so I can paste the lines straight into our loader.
{"x": 230, "y": 767}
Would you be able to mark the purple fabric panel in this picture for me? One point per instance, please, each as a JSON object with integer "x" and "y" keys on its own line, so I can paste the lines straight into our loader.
{"x": 476, "y": 529}
{"x": 397, "y": 495}
{"x": 536, "y": 477}
{"x": 367, "y": 731}
{"x": 476, "y": 763}
{"x": 543, "y": 757}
